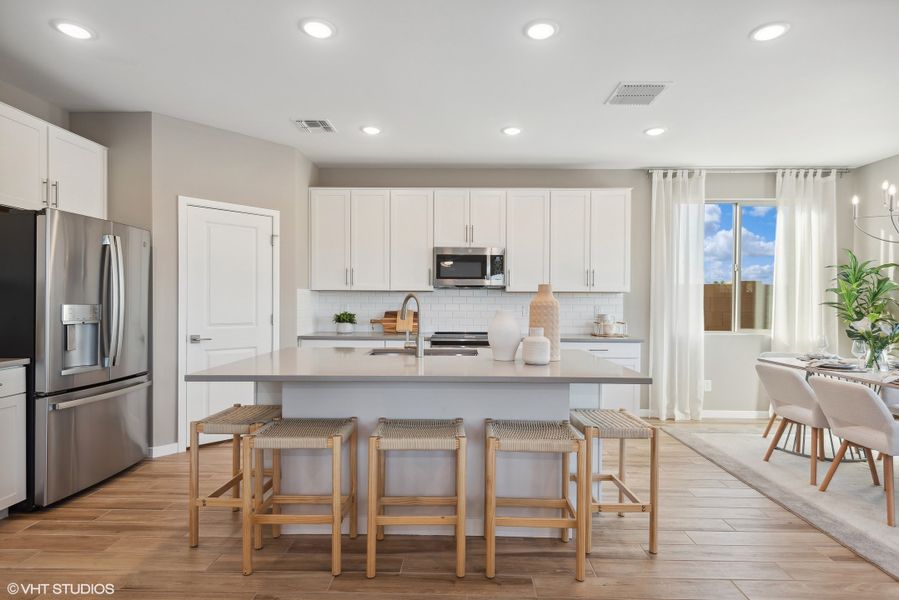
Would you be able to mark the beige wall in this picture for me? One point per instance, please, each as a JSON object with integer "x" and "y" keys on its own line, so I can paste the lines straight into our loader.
{"x": 866, "y": 184}
{"x": 28, "y": 102}
{"x": 128, "y": 136}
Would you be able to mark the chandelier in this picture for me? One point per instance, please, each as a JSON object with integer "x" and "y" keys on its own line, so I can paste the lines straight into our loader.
{"x": 889, "y": 203}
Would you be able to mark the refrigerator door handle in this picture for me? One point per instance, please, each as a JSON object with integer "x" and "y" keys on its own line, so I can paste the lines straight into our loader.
{"x": 98, "y": 397}
{"x": 120, "y": 299}
{"x": 107, "y": 291}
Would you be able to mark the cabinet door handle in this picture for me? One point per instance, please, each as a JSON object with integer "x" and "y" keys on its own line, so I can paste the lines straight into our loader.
{"x": 55, "y": 186}
{"x": 430, "y": 279}
{"x": 472, "y": 233}
{"x": 352, "y": 276}
{"x": 46, "y": 191}
{"x": 466, "y": 234}
{"x": 346, "y": 277}
{"x": 593, "y": 278}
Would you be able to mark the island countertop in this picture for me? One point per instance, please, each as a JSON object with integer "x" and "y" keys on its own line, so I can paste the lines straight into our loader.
{"x": 357, "y": 365}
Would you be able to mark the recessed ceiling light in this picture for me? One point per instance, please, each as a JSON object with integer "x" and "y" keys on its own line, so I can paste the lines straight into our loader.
{"x": 769, "y": 31}
{"x": 73, "y": 30}
{"x": 318, "y": 28}
{"x": 511, "y": 130}
{"x": 540, "y": 30}
{"x": 654, "y": 131}
{"x": 371, "y": 130}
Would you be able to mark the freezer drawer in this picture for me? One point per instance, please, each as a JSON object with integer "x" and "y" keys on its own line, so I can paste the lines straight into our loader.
{"x": 84, "y": 439}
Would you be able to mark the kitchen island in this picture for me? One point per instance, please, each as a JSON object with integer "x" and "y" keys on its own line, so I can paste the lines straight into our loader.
{"x": 344, "y": 382}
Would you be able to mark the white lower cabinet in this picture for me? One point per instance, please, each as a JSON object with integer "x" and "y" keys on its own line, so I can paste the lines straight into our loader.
{"x": 12, "y": 436}
{"x": 626, "y": 354}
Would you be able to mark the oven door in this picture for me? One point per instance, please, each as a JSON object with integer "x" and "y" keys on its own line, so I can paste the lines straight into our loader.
{"x": 461, "y": 267}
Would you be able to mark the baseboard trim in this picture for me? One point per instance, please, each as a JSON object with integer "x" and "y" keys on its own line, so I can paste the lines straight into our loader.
{"x": 164, "y": 450}
{"x": 735, "y": 414}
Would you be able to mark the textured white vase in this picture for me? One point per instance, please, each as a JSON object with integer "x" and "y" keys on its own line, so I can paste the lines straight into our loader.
{"x": 345, "y": 328}
{"x": 535, "y": 348}
{"x": 504, "y": 336}
{"x": 544, "y": 312}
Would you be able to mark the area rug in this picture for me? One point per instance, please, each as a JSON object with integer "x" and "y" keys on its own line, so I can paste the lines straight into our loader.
{"x": 852, "y": 511}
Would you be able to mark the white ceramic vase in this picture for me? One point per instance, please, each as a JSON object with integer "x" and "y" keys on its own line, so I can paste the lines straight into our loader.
{"x": 345, "y": 328}
{"x": 544, "y": 312}
{"x": 504, "y": 336}
{"x": 535, "y": 348}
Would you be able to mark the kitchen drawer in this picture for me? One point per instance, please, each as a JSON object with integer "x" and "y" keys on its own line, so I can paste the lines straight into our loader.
{"x": 12, "y": 381}
{"x": 609, "y": 349}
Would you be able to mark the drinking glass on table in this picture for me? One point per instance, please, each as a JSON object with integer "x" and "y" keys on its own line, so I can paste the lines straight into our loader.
{"x": 859, "y": 351}
{"x": 822, "y": 345}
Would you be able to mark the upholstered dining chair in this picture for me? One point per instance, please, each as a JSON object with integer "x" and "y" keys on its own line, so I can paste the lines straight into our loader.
{"x": 775, "y": 355}
{"x": 794, "y": 402}
{"x": 859, "y": 416}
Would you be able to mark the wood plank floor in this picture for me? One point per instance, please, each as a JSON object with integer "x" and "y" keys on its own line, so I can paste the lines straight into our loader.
{"x": 719, "y": 540}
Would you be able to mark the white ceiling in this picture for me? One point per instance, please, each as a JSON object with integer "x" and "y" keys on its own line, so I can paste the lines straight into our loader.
{"x": 441, "y": 78}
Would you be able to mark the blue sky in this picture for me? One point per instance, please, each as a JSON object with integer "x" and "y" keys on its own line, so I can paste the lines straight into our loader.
{"x": 759, "y": 223}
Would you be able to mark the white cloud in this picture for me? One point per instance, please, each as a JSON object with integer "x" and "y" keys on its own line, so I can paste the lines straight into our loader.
{"x": 752, "y": 244}
{"x": 720, "y": 245}
{"x": 760, "y": 211}
{"x": 717, "y": 270}
{"x": 712, "y": 218}
{"x": 757, "y": 273}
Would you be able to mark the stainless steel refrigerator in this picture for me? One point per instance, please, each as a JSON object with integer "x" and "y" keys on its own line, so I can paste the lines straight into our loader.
{"x": 74, "y": 297}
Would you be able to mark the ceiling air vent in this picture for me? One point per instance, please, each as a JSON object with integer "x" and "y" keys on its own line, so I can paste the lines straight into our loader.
{"x": 637, "y": 93}
{"x": 315, "y": 126}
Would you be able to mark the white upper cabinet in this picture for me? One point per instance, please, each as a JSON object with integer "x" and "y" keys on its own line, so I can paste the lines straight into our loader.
{"x": 570, "y": 240}
{"x": 527, "y": 239}
{"x": 610, "y": 240}
{"x": 43, "y": 165}
{"x": 451, "y": 217}
{"x": 411, "y": 239}
{"x": 487, "y": 218}
{"x": 77, "y": 173}
{"x": 23, "y": 159}
{"x": 370, "y": 239}
{"x": 329, "y": 235}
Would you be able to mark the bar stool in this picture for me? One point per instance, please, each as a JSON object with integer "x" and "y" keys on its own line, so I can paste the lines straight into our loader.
{"x": 236, "y": 421}
{"x": 414, "y": 434}
{"x": 537, "y": 436}
{"x": 294, "y": 434}
{"x": 623, "y": 426}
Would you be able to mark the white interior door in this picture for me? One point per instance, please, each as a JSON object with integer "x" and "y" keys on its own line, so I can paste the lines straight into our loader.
{"x": 229, "y": 302}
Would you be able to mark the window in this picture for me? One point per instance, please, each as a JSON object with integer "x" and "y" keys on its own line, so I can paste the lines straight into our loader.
{"x": 750, "y": 274}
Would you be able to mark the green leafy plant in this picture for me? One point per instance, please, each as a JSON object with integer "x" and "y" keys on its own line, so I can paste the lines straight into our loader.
{"x": 865, "y": 303}
{"x": 345, "y": 317}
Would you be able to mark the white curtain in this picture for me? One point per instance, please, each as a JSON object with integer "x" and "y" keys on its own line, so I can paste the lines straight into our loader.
{"x": 805, "y": 246}
{"x": 676, "y": 277}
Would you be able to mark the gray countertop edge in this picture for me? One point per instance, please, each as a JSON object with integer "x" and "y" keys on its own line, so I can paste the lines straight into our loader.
{"x": 523, "y": 379}
{"x": 375, "y": 336}
{"x": 6, "y": 363}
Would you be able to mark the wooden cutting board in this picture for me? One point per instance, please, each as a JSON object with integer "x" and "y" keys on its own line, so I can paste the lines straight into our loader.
{"x": 392, "y": 324}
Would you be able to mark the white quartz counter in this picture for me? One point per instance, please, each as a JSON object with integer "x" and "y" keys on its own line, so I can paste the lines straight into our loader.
{"x": 381, "y": 336}
{"x": 13, "y": 362}
{"x": 357, "y": 365}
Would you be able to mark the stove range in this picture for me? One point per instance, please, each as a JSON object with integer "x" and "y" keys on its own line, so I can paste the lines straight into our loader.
{"x": 459, "y": 339}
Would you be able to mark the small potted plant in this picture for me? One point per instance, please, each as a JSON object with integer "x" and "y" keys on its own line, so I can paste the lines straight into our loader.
{"x": 345, "y": 322}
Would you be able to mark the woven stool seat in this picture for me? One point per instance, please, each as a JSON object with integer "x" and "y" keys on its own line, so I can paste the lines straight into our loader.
{"x": 534, "y": 436}
{"x": 238, "y": 420}
{"x": 612, "y": 424}
{"x": 285, "y": 434}
{"x": 418, "y": 434}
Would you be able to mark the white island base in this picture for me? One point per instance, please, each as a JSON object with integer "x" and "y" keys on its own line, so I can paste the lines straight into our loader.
{"x": 425, "y": 473}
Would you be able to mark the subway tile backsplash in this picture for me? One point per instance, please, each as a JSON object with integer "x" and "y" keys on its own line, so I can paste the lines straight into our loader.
{"x": 450, "y": 309}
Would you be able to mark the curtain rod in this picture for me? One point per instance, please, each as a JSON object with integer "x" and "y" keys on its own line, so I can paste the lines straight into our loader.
{"x": 735, "y": 170}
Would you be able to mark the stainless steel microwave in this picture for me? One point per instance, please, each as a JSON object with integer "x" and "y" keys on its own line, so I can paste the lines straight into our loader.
{"x": 469, "y": 267}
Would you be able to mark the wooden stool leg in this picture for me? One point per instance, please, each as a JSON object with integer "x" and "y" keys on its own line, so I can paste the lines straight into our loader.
{"x": 821, "y": 444}
{"x": 622, "y": 459}
{"x": 869, "y": 454}
{"x": 833, "y": 466}
{"x": 193, "y": 508}
{"x": 235, "y": 468}
{"x": 813, "y": 452}
{"x": 490, "y": 508}
{"x": 583, "y": 512}
{"x": 460, "y": 507}
{"x": 590, "y": 438}
{"x": 276, "y": 489}
{"x": 888, "y": 485}
{"x": 382, "y": 488}
{"x": 258, "y": 481}
{"x": 566, "y": 484}
{"x": 354, "y": 482}
{"x": 654, "y": 491}
{"x": 776, "y": 439}
{"x": 247, "y": 512}
{"x": 770, "y": 424}
{"x": 336, "y": 508}
{"x": 371, "y": 542}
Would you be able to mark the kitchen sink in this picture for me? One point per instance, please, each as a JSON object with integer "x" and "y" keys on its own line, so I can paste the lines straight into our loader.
{"x": 428, "y": 351}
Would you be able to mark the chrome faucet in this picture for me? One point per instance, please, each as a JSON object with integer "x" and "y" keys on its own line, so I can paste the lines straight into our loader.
{"x": 419, "y": 337}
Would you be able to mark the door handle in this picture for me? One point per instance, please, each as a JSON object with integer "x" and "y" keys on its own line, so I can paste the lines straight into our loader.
{"x": 593, "y": 278}
{"x": 55, "y": 186}
{"x": 466, "y": 234}
{"x": 46, "y": 189}
{"x": 196, "y": 339}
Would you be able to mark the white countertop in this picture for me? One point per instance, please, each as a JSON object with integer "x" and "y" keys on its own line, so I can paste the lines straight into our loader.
{"x": 5, "y": 363}
{"x": 381, "y": 336}
{"x": 357, "y": 365}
